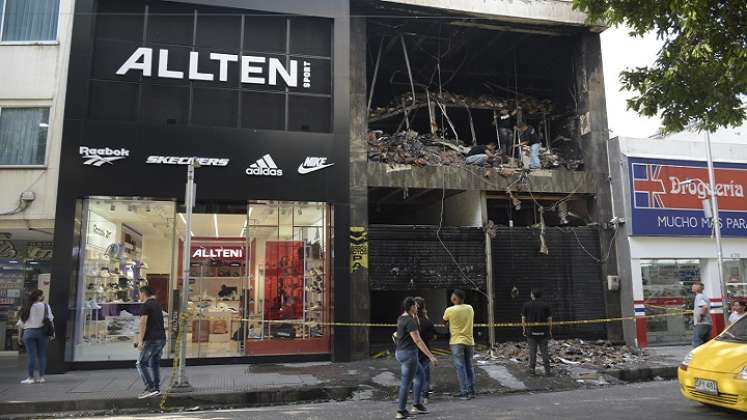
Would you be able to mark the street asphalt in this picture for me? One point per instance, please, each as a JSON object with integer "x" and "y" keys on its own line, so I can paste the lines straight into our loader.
{"x": 652, "y": 400}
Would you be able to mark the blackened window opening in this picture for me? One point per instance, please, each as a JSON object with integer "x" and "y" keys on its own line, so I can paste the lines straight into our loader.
{"x": 484, "y": 64}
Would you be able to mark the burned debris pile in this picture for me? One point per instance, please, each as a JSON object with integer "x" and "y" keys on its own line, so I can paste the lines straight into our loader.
{"x": 411, "y": 148}
{"x": 576, "y": 352}
{"x": 439, "y": 143}
{"x": 527, "y": 104}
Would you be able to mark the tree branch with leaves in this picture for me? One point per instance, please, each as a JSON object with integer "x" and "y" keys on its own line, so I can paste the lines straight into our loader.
{"x": 700, "y": 75}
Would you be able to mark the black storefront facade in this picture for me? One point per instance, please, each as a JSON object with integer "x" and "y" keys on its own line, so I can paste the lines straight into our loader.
{"x": 258, "y": 92}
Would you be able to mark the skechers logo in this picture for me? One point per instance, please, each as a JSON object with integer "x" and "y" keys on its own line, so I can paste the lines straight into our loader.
{"x": 183, "y": 160}
{"x": 264, "y": 166}
{"x": 312, "y": 164}
{"x": 99, "y": 156}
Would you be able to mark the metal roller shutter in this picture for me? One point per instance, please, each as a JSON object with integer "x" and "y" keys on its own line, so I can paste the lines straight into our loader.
{"x": 570, "y": 278}
{"x": 408, "y": 257}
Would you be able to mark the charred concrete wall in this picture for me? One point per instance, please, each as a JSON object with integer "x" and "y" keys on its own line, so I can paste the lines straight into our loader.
{"x": 360, "y": 304}
{"x": 594, "y": 132}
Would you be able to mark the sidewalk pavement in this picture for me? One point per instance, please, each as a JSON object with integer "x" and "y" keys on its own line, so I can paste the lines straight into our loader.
{"x": 115, "y": 390}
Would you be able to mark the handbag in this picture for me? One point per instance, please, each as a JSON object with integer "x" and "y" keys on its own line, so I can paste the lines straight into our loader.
{"x": 47, "y": 324}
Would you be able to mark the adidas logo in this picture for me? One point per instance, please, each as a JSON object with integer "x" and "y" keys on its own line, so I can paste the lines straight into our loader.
{"x": 264, "y": 166}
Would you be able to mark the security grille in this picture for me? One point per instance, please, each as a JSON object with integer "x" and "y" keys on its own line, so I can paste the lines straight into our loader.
{"x": 409, "y": 257}
{"x": 570, "y": 278}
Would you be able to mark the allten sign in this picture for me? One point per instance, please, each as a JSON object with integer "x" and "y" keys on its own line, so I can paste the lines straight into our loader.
{"x": 667, "y": 197}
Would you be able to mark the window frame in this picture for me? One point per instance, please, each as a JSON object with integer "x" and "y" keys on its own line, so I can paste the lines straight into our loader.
{"x": 55, "y": 41}
{"x": 45, "y": 164}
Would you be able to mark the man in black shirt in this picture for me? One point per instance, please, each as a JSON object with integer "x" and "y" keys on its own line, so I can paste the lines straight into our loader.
{"x": 505, "y": 124}
{"x": 481, "y": 155}
{"x": 150, "y": 342}
{"x": 537, "y": 311}
{"x": 529, "y": 137}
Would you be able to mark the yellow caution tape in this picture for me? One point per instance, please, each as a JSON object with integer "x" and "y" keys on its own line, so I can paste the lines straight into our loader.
{"x": 483, "y": 325}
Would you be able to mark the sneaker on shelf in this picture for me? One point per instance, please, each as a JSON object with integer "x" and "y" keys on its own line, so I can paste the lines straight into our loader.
{"x": 28, "y": 381}
{"x": 419, "y": 409}
{"x": 402, "y": 414}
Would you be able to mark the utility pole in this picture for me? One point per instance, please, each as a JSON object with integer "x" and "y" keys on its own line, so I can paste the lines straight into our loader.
{"x": 491, "y": 292}
{"x": 182, "y": 383}
{"x": 716, "y": 225}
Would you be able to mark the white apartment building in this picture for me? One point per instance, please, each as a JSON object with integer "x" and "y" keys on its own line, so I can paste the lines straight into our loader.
{"x": 34, "y": 55}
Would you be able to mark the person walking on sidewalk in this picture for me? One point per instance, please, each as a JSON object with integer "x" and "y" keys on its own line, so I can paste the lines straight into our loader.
{"x": 150, "y": 342}
{"x": 537, "y": 336}
{"x": 701, "y": 316}
{"x": 33, "y": 334}
{"x": 428, "y": 334}
{"x": 460, "y": 318}
{"x": 408, "y": 343}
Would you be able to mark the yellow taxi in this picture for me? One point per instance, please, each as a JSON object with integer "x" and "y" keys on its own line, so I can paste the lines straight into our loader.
{"x": 716, "y": 372}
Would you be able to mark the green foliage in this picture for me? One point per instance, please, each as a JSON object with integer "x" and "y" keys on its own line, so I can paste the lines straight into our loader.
{"x": 700, "y": 75}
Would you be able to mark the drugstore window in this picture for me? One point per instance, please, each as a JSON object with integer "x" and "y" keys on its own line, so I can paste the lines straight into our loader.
{"x": 259, "y": 279}
{"x": 735, "y": 274}
{"x": 667, "y": 285}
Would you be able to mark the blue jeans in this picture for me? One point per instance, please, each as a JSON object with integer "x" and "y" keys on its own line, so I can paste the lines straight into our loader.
{"x": 36, "y": 343}
{"x": 479, "y": 160}
{"x": 426, "y": 364}
{"x": 412, "y": 373}
{"x": 149, "y": 363}
{"x": 462, "y": 356}
{"x": 534, "y": 156}
{"x": 701, "y": 334}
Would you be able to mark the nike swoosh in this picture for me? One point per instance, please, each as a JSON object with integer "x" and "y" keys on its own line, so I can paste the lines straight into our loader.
{"x": 304, "y": 170}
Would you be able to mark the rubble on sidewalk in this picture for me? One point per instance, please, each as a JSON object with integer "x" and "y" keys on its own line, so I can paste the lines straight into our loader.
{"x": 598, "y": 354}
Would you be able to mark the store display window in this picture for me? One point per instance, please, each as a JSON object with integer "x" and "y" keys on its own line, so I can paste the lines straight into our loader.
{"x": 667, "y": 285}
{"x": 126, "y": 243}
{"x": 259, "y": 282}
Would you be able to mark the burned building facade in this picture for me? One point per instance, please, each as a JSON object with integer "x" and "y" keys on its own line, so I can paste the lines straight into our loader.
{"x": 432, "y": 80}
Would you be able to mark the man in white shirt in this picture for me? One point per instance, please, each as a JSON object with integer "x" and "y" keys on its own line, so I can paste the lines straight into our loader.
{"x": 701, "y": 316}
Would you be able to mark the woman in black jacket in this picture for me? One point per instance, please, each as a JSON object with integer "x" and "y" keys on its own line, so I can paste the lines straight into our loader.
{"x": 428, "y": 334}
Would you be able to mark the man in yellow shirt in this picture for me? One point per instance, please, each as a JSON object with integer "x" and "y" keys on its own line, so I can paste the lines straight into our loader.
{"x": 460, "y": 318}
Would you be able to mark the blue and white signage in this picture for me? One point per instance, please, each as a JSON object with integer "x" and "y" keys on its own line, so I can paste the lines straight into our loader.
{"x": 667, "y": 197}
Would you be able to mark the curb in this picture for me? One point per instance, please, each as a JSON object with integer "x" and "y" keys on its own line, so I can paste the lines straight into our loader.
{"x": 22, "y": 409}
{"x": 643, "y": 374}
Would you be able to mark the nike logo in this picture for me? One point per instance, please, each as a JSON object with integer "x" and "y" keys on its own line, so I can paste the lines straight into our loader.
{"x": 312, "y": 164}
{"x": 306, "y": 169}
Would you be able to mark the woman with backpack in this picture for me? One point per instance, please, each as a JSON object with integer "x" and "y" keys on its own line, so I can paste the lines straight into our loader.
{"x": 35, "y": 329}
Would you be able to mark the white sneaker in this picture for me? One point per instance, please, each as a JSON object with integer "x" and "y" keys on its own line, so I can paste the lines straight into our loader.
{"x": 41, "y": 380}
{"x": 28, "y": 381}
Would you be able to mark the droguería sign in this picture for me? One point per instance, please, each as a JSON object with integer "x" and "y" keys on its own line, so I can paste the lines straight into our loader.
{"x": 667, "y": 197}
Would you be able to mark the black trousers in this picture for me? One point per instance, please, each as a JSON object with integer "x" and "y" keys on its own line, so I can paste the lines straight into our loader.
{"x": 542, "y": 343}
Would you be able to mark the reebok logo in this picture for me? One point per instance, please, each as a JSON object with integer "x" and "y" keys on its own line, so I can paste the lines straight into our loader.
{"x": 264, "y": 166}
{"x": 99, "y": 156}
{"x": 312, "y": 164}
